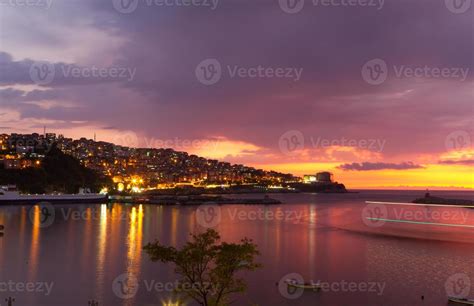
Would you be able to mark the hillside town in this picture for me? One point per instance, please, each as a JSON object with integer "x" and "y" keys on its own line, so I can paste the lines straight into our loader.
{"x": 135, "y": 168}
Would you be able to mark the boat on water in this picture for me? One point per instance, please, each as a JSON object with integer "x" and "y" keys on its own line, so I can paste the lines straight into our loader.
{"x": 460, "y": 301}
{"x": 9, "y": 195}
{"x": 306, "y": 286}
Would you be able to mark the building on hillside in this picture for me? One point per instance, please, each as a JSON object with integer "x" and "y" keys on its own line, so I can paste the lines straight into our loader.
{"x": 320, "y": 178}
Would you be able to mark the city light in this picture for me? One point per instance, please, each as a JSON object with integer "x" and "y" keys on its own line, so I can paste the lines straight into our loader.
{"x": 104, "y": 190}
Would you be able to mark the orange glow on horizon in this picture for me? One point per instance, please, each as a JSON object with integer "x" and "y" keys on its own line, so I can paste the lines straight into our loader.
{"x": 432, "y": 176}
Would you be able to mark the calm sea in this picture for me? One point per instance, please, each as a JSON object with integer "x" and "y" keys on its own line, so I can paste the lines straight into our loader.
{"x": 363, "y": 254}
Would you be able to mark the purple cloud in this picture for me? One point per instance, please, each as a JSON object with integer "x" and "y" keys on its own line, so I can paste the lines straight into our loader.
{"x": 367, "y": 166}
{"x": 164, "y": 45}
{"x": 457, "y": 162}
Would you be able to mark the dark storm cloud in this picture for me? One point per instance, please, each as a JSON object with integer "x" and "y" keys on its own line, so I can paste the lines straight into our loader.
{"x": 61, "y": 74}
{"x": 329, "y": 44}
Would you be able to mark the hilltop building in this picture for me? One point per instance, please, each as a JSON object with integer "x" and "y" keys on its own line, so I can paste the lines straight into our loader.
{"x": 320, "y": 178}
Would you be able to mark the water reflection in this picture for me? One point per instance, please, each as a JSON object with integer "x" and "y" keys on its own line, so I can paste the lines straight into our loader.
{"x": 331, "y": 243}
{"x": 134, "y": 243}
{"x": 87, "y": 240}
{"x": 35, "y": 243}
{"x": 312, "y": 237}
{"x": 102, "y": 247}
{"x": 174, "y": 226}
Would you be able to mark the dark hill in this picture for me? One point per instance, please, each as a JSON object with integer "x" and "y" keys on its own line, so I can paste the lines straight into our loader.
{"x": 58, "y": 173}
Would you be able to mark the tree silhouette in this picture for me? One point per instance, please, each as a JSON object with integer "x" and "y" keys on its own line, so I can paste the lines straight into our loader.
{"x": 208, "y": 270}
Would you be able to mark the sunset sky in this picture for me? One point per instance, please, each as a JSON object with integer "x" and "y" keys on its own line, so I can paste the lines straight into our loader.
{"x": 410, "y": 127}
